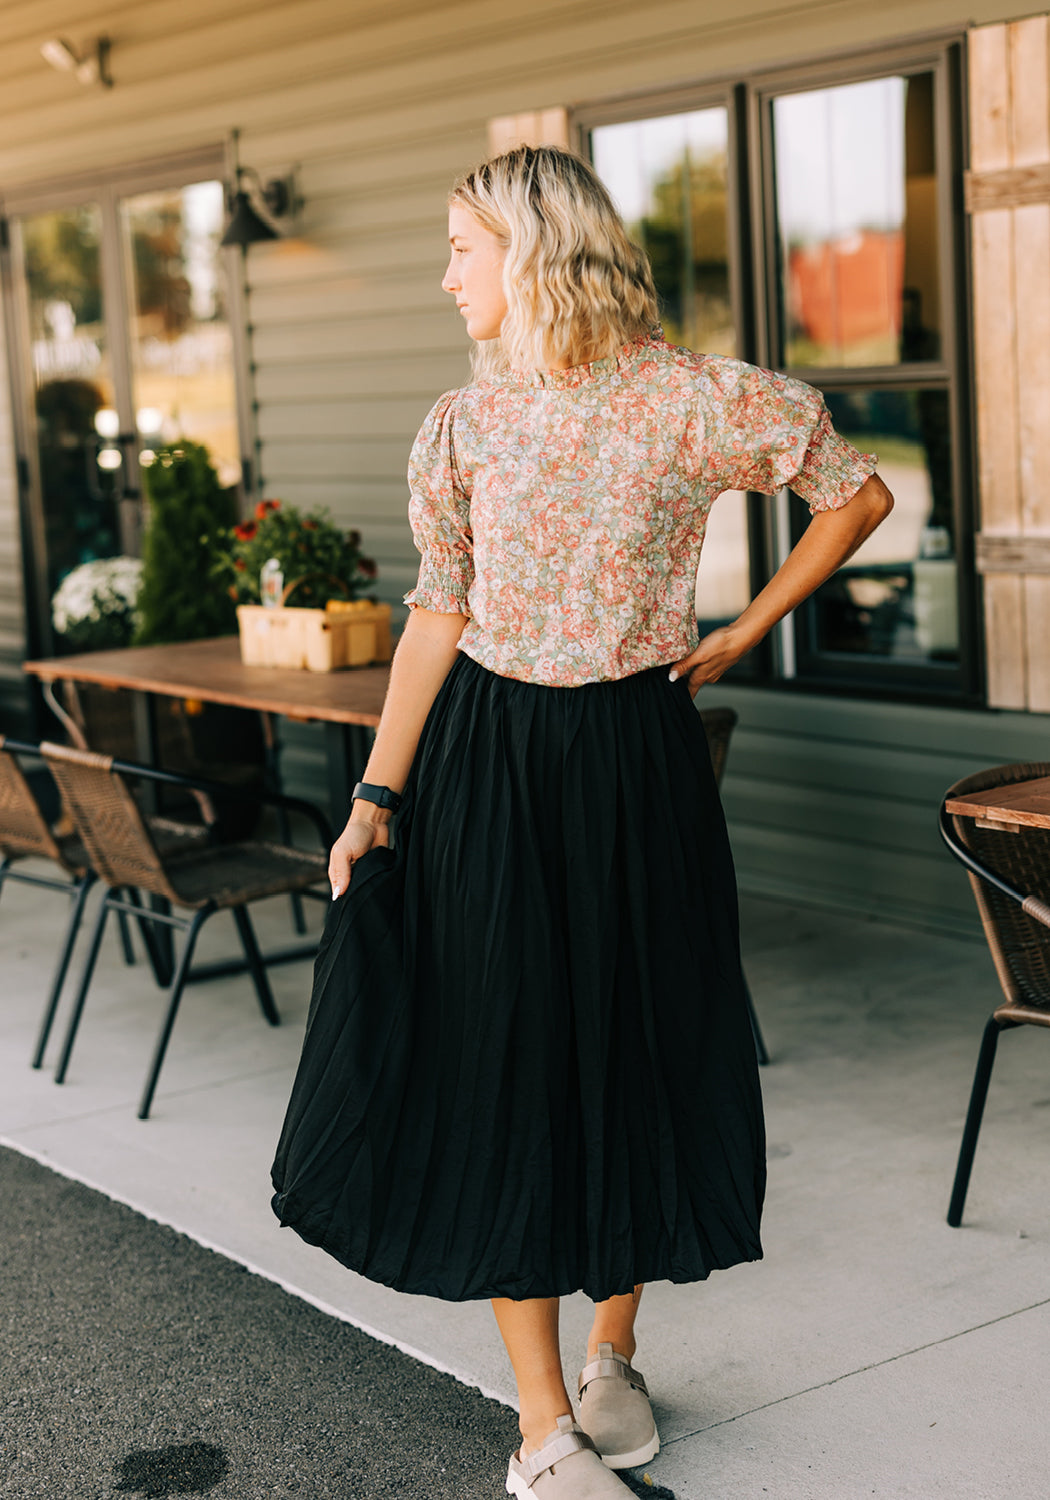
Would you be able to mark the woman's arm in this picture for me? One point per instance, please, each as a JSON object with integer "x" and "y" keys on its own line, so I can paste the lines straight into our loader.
{"x": 422, "y": 661}
{"x": 830, "y": 538}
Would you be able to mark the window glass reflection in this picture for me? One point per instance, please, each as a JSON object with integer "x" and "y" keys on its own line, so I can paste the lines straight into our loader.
{"x": 857, "y": 223}
{"x": 73, "y": 387}
{"x": 723, "y": 585}
{"x": 896, "y": 597}
{"x": 181, "y": 345}
{"x": 669, "y": 178}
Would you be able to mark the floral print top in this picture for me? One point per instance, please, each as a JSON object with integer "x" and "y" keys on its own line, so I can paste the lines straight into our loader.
{"x": 564, "y": 511}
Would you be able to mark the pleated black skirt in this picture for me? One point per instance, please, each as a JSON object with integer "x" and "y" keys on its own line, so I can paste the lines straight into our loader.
{"x": 528, "y": 1065}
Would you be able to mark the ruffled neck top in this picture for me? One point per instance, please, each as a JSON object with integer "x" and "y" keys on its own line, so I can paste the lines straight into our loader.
{"x": 563, "y": 511}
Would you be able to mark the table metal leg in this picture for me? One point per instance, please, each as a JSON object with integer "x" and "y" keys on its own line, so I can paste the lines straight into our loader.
{"x": 147, "y": 747}
{"x": 272, "y": 746}
{"x": 347, "y": 747}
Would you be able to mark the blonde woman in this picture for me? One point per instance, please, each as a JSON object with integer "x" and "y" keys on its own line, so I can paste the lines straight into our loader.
{"x": 529, "y": 1068}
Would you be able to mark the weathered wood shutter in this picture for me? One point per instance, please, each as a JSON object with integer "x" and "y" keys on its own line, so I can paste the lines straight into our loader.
{"x": 535, "y": 127}
{"x": 1008, "y": 196}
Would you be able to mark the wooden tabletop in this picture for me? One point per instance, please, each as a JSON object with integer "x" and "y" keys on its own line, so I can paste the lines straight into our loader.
{"x": 213, "y": 672}
{"x": 1024, "y": 803}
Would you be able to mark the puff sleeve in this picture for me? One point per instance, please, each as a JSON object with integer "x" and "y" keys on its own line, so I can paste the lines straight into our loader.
{"x": 439, "y": 512}
{"x": 762, "y": 430}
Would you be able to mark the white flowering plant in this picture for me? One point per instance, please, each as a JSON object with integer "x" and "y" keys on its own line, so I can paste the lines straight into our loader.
{"x": 95, "y": 607}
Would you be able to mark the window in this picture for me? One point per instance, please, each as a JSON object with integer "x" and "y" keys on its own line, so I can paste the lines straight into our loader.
{"x": 805, "y": 223}
{"x": 121, "y": 339}
{"x": 670, "y": 176}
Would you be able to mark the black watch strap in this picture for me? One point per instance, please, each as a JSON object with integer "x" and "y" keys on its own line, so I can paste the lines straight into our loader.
{"x": 382, "y": 796}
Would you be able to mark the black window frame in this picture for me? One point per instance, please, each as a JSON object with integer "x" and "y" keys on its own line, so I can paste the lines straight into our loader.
{"x": 787, "y": 659}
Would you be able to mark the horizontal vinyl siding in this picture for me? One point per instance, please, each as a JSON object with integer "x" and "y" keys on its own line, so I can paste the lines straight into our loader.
{"x": 836, "y": 800}
{"x": 378, "y": 106}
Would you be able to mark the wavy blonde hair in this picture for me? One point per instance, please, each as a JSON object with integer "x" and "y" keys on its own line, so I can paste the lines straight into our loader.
{"x": 577, "y": 288}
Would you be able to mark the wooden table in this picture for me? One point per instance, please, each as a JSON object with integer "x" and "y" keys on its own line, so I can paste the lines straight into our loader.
{"x": 347, "y": 703}
{"x": 1007, "y": 808}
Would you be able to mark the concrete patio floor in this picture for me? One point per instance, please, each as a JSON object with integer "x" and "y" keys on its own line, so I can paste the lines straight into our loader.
{"x": 875, "y": 1351}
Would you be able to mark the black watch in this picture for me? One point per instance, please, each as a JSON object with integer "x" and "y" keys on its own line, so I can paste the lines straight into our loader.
{"x": 382, "y": 796}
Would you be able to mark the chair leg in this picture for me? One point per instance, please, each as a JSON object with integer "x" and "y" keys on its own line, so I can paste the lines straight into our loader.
{"x": 256, "y": 966}
{"x": 756, "y": 1030}
{"x": 85, "y": 980}
{"x": 298, "y": 915}
{"x": 125, "y": 938}
{"x": 79, "y": 893}
{"x": 978, "y": 1094}
{"x": 177, "y": 986}
{"x": 156, "y": 939}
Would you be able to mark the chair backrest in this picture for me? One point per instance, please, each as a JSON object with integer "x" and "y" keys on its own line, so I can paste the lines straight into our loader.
{"x": 23, "y": 827}
{"x": 1020, "y": 946}
{"x": 107, "y": 819}
{"x": 719, "y": 724}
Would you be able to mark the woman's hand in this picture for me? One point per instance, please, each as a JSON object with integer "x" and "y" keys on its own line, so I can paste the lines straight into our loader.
{"x": 359, "y": 835}
{"x": 830, "y": 538}
{"x": 422, "y": 661}
{"x": 715, "y": 654}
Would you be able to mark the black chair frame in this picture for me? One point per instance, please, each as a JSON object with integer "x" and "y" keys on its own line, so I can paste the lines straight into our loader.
{"x": 1033, "y": 907}
{"x": 126, "y": 903}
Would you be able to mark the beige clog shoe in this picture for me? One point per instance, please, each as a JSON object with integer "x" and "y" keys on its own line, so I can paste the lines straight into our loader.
{"x": 565, "y": 1468}
{"x": 615, "y": 1411}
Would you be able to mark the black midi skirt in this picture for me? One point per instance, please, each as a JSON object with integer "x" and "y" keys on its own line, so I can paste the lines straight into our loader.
{"x": 528, "y": 1065}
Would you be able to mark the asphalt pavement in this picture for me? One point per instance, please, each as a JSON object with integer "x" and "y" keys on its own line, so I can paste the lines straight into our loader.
{"x": 134, "y": 1362}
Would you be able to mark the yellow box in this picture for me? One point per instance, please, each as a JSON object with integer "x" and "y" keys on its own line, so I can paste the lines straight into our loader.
{"x": 319, "y": 640}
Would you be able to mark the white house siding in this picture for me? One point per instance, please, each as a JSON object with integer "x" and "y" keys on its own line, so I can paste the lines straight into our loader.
{"x": 378, "y": 106}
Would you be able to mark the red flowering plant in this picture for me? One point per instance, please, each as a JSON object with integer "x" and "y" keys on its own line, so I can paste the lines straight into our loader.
{"x": 318, "y": 561}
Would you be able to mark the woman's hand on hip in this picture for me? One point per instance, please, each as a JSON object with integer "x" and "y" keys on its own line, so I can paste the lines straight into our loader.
{"x": 716, "y": 653}
{"x": 359, "y": 835}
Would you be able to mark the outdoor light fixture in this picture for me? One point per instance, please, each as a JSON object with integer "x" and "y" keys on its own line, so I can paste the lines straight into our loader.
{"x": 92, "y": 67}
{"x": 246, "y": 226}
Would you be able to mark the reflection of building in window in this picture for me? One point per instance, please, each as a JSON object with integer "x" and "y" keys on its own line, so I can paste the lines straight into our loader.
{"x": 857, "y": 213}
{"x": 848, "y": 292}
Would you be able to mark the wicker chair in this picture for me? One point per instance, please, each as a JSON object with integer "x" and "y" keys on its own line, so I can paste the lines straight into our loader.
{"x": 25, "y": 832}
{"x": 123, "y": 852}
{"x": 719, "y": 724}
{"x": 1010, "y": 876}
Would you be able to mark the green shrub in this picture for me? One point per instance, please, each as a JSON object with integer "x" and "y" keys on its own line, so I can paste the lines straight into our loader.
{"x": 180, "y": 600}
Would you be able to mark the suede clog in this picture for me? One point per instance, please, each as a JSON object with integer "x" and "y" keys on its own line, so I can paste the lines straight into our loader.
{"x": 615, "y": 1410}
{"x": 567, "y": 1467}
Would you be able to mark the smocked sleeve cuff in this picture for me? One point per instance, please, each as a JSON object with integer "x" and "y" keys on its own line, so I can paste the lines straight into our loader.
{"x": 443, "y": 586}
{"x": 833, "y": 470}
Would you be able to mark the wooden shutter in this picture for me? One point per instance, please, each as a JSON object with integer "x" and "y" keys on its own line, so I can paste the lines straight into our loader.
{"x": 1008, "y": 196}
{"x": 536, "y": 127}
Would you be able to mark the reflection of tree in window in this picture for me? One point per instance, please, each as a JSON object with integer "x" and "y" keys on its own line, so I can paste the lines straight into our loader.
{"x": 79, "y": 512}
{"x": 162, "y": 289}
{"x": 62, "y": 265}
{"x": 686, "y": 236}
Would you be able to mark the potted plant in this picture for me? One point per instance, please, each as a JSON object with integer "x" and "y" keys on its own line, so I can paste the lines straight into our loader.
{"x": 297, "y": 580}
{"x": 94, "y": 608}
{"x": 187, "y": 508}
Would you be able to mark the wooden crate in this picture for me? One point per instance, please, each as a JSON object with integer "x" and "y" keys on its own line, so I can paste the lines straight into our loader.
{"x": 319, "y": 640}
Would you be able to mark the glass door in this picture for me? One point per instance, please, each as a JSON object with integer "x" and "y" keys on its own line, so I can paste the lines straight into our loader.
{"x": 122, "y": 341}
{"x": 70, "y": 367}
